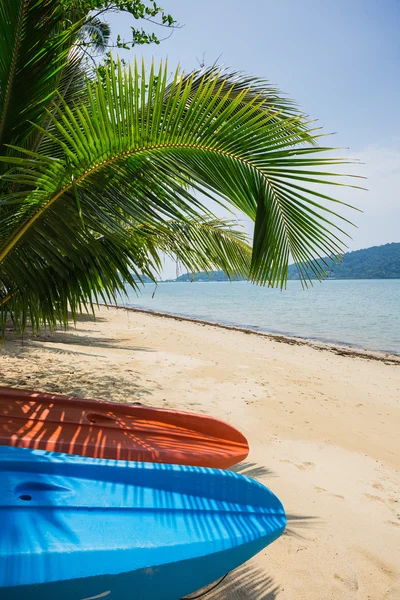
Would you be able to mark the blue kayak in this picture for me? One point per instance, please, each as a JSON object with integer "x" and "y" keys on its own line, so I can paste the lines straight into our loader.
{"x": 78, "y": 528}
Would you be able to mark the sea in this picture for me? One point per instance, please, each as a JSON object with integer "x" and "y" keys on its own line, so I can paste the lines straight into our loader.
{"x": 360, "y": 313}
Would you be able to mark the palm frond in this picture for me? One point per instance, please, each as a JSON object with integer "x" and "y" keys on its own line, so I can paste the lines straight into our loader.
{"x": 136, "y": 151}
{"x": 94, "y": 33}
{"x": 236, "y": 84}
{"x": 34, "y": 45}
{"x": 62, "y": 286}
{"x": 202, "y": 245}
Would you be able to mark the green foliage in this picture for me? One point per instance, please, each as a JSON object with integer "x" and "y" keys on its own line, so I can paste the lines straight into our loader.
{"x": 206, "y": 276}
{"x": 34, "y": 47}
{"x": 99, "y": 174}
{"x": 377, "y": 262}
{"x": 140, "y": 11}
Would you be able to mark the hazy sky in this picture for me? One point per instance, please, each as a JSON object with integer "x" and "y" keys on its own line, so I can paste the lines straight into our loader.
{"x": 339, "y": 59}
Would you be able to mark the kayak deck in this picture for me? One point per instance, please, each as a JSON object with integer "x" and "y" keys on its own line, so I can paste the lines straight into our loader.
{"x": 116, "y": 431}
{"x": 75, "y": 527}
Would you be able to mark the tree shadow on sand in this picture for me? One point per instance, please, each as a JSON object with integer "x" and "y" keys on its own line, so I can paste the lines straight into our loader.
{"x": 71, "y": 378}
{"x": 84, "y": 342}
{"x": 252, "y": 469}
{"x": 70, "y": 337}
{"x": 247, "y": 582}
{"x": 297, "y": 524}
{"x": 88, "y": 318}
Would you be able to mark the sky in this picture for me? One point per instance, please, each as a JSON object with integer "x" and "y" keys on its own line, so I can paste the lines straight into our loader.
{"x": 339, "y": 59}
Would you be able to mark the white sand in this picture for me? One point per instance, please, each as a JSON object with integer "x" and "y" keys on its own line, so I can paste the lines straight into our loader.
{"x": 324, "y": 433}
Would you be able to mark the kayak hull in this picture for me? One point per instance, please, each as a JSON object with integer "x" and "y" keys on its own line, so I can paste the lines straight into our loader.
{"x": 80, "y": 528}
{"x": 169, "y": 582}
{"x": 116, "y": 431}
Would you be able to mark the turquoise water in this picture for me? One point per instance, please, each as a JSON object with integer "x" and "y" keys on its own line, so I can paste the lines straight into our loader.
{"x": 362, "y": 313}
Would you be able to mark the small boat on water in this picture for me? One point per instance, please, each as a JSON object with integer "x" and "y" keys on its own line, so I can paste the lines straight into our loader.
{"x": 75, "y": 528}
{"x": 116, "y": 431}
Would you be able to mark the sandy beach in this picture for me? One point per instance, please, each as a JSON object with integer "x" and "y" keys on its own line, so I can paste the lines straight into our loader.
{"x": 323, "y": 426}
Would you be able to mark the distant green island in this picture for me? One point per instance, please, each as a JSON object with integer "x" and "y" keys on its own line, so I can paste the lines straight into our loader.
{"x": 377, "y": 262}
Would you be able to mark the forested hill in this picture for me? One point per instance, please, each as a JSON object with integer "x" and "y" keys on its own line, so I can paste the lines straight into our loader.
{"x": 378, "y": 262}
{"x": 202, "y": 276}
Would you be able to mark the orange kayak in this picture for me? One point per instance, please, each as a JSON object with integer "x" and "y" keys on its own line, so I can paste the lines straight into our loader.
{"x": 116, "y": 431}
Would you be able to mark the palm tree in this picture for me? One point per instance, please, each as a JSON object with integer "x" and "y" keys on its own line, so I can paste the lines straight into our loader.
{"x": 101, "y": 172}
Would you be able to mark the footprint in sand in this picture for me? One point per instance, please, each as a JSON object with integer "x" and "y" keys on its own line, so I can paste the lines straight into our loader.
{"x": 350, "y": 582}
{"x": 392, "y": 593}
{"x": 372, "y": 497}
{"x": 304, "y": 466}
{"x": 378, "y": 486}
{"x": 393, "y": 523}
{"x": 383, "y": 568}
{"x": 320, "y": 489}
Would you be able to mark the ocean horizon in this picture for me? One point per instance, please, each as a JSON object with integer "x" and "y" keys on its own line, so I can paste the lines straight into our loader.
{"x": 363, "y": 313}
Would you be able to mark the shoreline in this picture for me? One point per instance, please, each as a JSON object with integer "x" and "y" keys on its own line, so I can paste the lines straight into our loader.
{"x": 388, "y": 358}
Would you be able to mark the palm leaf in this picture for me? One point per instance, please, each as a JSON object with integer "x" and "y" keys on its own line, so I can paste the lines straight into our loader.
{"x": 94, "y": 33}
{"x": 61, "y": 287}
{"x": 201, "y": 245}
{"x": 137, "y": 151}
{"x": 235, "y": 84}
{"x": 34, "y": 46}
